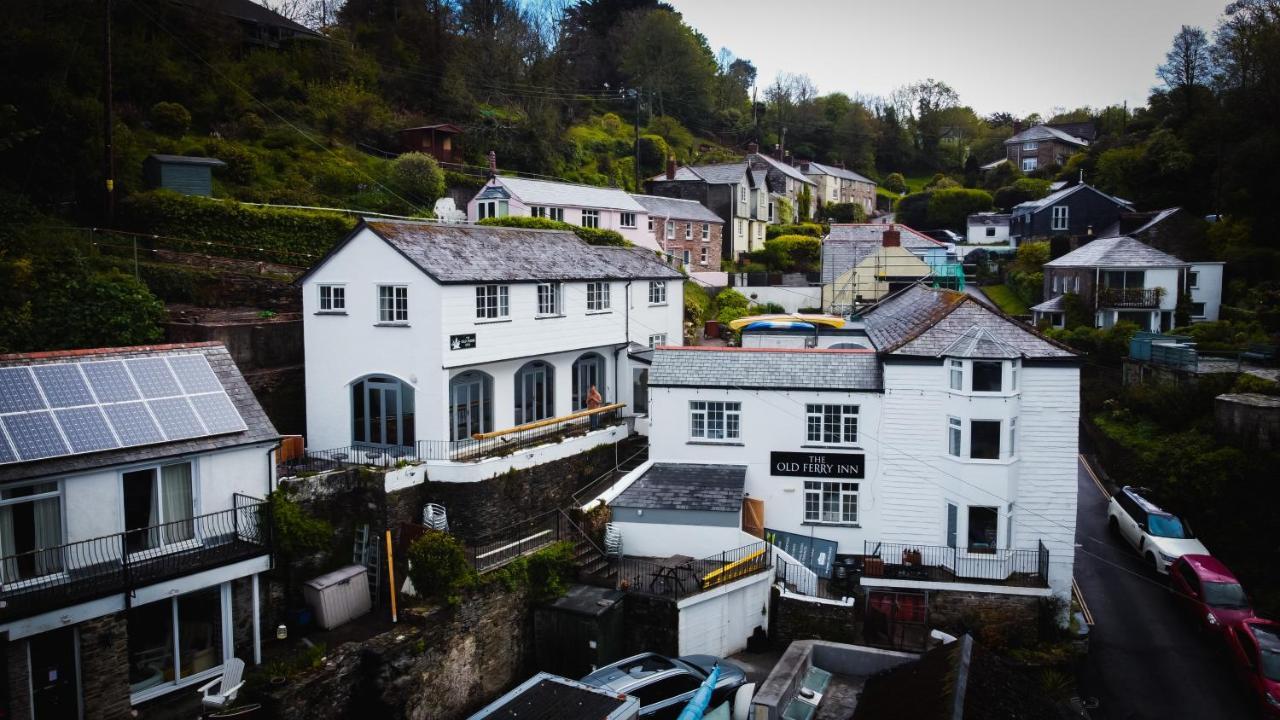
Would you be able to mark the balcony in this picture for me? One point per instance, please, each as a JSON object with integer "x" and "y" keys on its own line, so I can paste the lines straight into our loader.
{"x": 1130, "y": 297}
{"x": 56, "y": 577}
{"x": 997, "y": 566}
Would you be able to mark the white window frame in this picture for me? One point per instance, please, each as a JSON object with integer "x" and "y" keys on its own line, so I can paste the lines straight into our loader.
{"x": 826, "y": 420}
{"x": 332, "y": 298}
{"x": 1075, "y": 281}
{"x": 702, "y": 415}
{"x": 1193, "y": 279}
{"x": 845, "y": 495}
{"x": 1000, "y": 447}
{"x": 955, "y": 375}
{"x": 493, "y": 302}
{"x": 157, "y": 470}
{"x": 556, "y": 213}
{"x": 627, "y": 220}
{"x": 590, "y": 219}
{"x": 490, "y": 209}
{"x": 1013, "y": 375}
{"x": 597, "y": 296}
{"x": 1031, "y": 145}
{"x": 56, "y": 492}
{"x": 1061, "y": 217}
{"x": 671, "y": 229}
{"x": 393, "y": 304}
{"x": 955, "y": 437}
{"x": 688, "y": 231}
{"x": 702, "y": 255}
{"x": 1030, "y": 164}
{"x": 706, "y": 232}
{"x": 1057, "y": 284}
{"x": 771, "y": 211}
{"x": 657, "y": 292}
{"x": 742, "y": 193}
{"x": 650, "y": 223}
{"x": 550, "y": 297}
{"x": 1013, "y": 437}
{"x": 657, "y": 339}
{"x": 538, "y": 211}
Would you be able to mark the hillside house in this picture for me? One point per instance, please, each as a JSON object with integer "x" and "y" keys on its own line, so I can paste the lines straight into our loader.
{"x": 1077, "y": 210}
{"x": 786, "y": 180}
{"x": 1042, "y": 146}
{"x": 835, "y": 184}
{"x": 738, "y": 196}
{"x": 868, "y": 257}
{"x": 686, "y": 230}
{"x": 936, "y": 444}
{"x": 585, "y": 205}
{"x": 131, "y": 525}
{"x": 987, "y": 229}
{"x": 1120, "y": 279}
{"x": 259, "y": 24}
{"x": 430, "y": 335}
{"x": 440, "y": 141}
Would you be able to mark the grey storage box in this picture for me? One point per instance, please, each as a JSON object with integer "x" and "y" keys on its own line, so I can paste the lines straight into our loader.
{"x": 338, "y": 596}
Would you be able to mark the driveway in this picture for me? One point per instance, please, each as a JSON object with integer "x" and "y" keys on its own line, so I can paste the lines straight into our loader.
{"x": 1145, "y": 659}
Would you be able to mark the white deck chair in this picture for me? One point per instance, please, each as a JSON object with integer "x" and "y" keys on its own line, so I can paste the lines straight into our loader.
{"x": 228, "y": 685}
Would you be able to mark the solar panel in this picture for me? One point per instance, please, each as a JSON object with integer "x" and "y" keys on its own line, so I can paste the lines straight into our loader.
{"x": 194, "y": 373}
{"x": 176, "y": 418}
{"x": 110, "y": 382}
{"x": 133, "y": 424}
{"x": 217, "y": 412}
{"x": 62, "y": 385}
{"x": 153, "y": 377}
{"x": 107, "y": 404}
{"x": 18, "y": 391}
{"x": 34, "y": 435}
{"x": 86, "y": 429}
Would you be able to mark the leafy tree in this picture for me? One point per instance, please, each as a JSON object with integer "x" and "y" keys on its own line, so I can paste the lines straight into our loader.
{"x": 895, "y": 183}
{"x": 439, "y": 568}
{"x": 661, "y": 54}
{"x": 847, "y": 212}
{"x": 1022, "y": 190}
{"x": 1189, "y": 62}
{"x": 419, "y": 176}
{"x": 790, "y": 253}
{"x": 170, "y": 118}
{"x": 949, "y": 207}
{"x": 913, "y": 210}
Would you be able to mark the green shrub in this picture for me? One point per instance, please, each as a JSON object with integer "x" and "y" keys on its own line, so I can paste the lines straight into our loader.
{"x": 913, "y": 210}
{"x": 697, "y": 304}
{"x": 170, "y": 118}
{"x": 439, "y": 568}
{"x": 790, "y": 253}
{"x": 949, "y": 207}
{"x": 591, "y": 236}
{"x": 1247, "y": 383}
{"x": 294, "y": 532}
{"x": 810, "y": 229}
{"x": 251, "y": 127}
{"x": 550, "y": 572}
{"x": 844, "y": 212}
{"x": 418, "y": 175}
{"x": 730, "y": 298}
{"x": 769, "y": 308}
{"x": 895, "y": 183}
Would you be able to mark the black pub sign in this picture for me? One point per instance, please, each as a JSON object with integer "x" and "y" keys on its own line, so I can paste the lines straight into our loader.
{"x": 817, "y": 465}
{"x": 462, "y": 342}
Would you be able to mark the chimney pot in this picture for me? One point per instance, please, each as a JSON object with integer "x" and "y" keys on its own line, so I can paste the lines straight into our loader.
{"x": 891, "y": 237}
{"x": 671, "y": 167}
{"x": 493, "y": 163}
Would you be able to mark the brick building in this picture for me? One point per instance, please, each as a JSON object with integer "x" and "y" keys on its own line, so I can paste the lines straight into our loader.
{"x": 686, "y": 230}
{"x": 1041, "y": 146}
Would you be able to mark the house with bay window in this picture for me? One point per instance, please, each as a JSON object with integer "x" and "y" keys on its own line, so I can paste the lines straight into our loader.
{"x": 451, "y": 340}
{"x": 585, "y": 205}
{"x": 132, "y": 525}
{"x": 935, "y": 443}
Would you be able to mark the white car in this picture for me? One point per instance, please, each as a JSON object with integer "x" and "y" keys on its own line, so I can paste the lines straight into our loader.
{"x": 1161, "y": 537}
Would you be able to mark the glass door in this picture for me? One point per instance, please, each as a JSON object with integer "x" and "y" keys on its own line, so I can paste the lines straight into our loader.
{"x": 468, "y": 408}
{"x": 382, "y": 416}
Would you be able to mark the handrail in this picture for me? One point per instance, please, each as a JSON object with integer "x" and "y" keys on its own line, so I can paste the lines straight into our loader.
{"x": 547, "y": 421}
{"x": 726, "y": 570}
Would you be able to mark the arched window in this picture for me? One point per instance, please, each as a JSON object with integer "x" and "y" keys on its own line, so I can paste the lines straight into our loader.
{"x": 470, "y": 404}
{"x": 588, "y": 370}
{"x": 382, "y": 412}
{"x": 535, "y": 392}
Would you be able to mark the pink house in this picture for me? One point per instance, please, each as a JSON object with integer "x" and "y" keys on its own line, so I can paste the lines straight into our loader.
{"x": 585, "y": 205}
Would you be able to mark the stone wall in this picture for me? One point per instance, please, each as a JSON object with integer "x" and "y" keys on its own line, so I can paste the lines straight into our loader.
{"x": 651, "y": 624}
{"x": 437, "y": 664}
{"x": 19, "y": 684}
{"x": 793, "y": 619}
{"x": 104, "y": 667}
{"x": 1248, "y": 419}
{"x": 995, "y": 620}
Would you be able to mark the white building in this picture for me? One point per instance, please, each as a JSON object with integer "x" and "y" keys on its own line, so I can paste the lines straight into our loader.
{"x": 1122, "y": 279}
{"x": 420, "y": 336}
{"x": 131, "y": 484}
{"x": 585, "y": 205}
{"x": 951, "y": 434}
{"x": 987, "y": 229}
{"x": 835, "y": 184}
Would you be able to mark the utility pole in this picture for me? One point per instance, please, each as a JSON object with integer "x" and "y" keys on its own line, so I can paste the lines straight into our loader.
{"x": 635, "y": 93}
{"x": 108, "y": 132}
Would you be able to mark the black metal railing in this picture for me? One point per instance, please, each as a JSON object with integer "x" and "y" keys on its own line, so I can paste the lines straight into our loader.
{"x": 466, "y": 450}
{"x": 48, "y": 578}
{"x": 496, "y": 549}
{"x": 1130, "y": 297}
{"x": 678, "y": 577}
{"x": 595, "y": 488}
{"x": 1001, "y": 566}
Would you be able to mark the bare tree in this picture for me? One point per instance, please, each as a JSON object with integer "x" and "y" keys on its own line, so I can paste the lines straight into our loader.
{"x": 1188, "y": 62}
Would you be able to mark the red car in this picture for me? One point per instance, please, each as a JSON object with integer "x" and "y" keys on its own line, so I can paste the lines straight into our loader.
{"x": 1255, "y": 648}
{"x": 1208, "y": 590}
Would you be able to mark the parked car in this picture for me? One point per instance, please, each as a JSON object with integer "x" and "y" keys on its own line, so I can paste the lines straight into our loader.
{"x": 1255, "y": 647}
{"x": 1161, "y": 537}
{"x": 1208, "y": 590}
{"x": 946, "y": 236}
{"x": 665, "y": 685}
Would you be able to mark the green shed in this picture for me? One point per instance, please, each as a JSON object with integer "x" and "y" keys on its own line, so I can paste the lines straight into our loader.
{"x": 181, "y": 173}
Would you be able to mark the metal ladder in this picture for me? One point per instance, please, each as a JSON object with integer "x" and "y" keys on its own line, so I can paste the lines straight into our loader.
{"x": 367, "y": 552}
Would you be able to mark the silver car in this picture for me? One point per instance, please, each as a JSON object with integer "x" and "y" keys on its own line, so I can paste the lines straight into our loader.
{"x": 665, "y": 685}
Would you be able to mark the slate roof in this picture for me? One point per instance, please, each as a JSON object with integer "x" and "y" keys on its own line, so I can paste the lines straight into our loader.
{"x": 780, "y": 166}
{"x": 250, "y": 11}
{"x": 847, "y": 245}
{"x": 765, "y": 368}
{"x": 1054, "y": 304}
{"x": 664, "y": 207}
{"x": 988, "y": 219}
{"x": 926, "y": 322}
{"x": 1122, "y": 251}
{"x": 545, "y": 192}
{"x": 835, "y": 172}
{"x": 719, "y": 174}
{"x": 1058, "y": 196}
{"x": 1044, "y": 132}
{"x": 489, "y": 253}
{"x": 186, "y": 160}
{"x": 259, "y": 427}
{"x": 686, "y": 486}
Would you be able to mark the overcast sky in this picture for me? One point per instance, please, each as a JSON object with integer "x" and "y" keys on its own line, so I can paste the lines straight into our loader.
{"x": 1023, "y": 57}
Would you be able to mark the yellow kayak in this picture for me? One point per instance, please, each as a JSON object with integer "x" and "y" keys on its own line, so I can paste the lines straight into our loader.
{"x": 833, "y": 321}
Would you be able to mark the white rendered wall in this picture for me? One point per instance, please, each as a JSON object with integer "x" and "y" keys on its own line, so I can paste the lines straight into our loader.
{"x": 790, "y": 298}
{"x": 977, "y": 235}
{"x": 667, "y": 539}
{"x": 719, "y": 622}
{"x": 1208, "y": 289}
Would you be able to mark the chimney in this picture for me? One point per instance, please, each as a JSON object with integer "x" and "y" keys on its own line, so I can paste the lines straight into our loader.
{"x": 777, "y": 151}
{"x": 493, "y": 164}
{"x": 671, "y": 167}
{"x": 788, "y": 160}
{"x": 891, "y": 237}
{"x": 840, "y": 164}
{"x": 753, "y": 147}
{"x": 1017, "y": 126}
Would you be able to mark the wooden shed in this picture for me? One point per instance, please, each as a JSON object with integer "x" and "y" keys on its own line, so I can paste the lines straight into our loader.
{"x": 181, "y": 173}
{"x": 439, "y": 141}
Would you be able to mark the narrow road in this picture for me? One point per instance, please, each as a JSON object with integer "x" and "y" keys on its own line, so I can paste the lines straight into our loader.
{"x": 1146, "y": 660}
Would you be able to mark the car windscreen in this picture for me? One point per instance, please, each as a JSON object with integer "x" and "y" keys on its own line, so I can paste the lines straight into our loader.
{"x": 1271, "y": 664}
{"x": 1268, "y": 652}
{"x": 1225, "y": 595}
{"x": 1168, "y": 526}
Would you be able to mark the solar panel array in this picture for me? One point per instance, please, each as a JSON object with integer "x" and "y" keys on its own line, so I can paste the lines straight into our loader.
{"x": 71, "y": 408}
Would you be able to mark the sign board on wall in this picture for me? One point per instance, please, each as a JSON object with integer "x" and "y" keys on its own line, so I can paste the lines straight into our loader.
{"x": 815, "y": 553}
{"x": 836, "y": 466}
{"x": 462, "y": 342}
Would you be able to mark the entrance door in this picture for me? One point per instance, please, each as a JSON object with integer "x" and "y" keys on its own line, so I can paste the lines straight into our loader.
{"x": 753, "y": 516}
{"x": 382, "y": 419}
{"x": 468, "y": 407}
{"x": 55, "y": 681}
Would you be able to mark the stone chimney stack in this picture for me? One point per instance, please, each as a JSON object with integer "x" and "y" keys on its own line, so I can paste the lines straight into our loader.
{"x": 777, "y": 151}
{"x": 891, "y": 237}
{"x": 840, "y": 164}
{"x": 493, "y": 164}
{"x": 788, "y": 159}
{"x": 671, "y": 167}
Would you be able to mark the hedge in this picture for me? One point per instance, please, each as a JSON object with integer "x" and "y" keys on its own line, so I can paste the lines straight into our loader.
{"x": 591, "y": 236}
{"x": 810, "y": 229}
{"x": 291, "y": 237}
